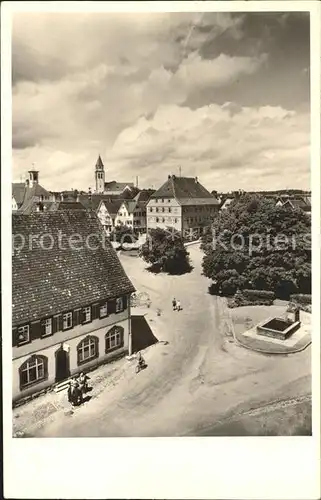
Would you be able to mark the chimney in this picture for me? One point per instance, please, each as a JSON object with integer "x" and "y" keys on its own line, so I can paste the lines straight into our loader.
{"x": 77, "y": 199}
{"x": 61, "y": 196}
{"x": 137, "y": 181}
{"x": 169, "y": 176}
{"x": 196, "y": 179}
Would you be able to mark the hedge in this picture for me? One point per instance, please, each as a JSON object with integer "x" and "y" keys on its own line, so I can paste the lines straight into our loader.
{"x": 258, "y": 294}
{"x": 301, "y": 298}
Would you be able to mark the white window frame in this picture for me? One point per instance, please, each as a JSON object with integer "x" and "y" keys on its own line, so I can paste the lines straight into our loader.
{"x": 104, "y": 306}
{"x": 31, "y": 365}
{"x": 87, "y": 314}
{"x": 47, "y": 325}
{"x": 65, "y": 317}
{"x": 22, "y": 330}
{"x": 119, "y": 304}
{"x": 114, "y": 337}
{"x": 86, "y": 344}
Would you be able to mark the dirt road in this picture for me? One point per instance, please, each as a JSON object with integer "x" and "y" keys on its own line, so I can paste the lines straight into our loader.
{"x": 198, "y": 379}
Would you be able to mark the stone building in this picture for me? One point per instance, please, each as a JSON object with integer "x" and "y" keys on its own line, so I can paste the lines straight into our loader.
{"x": 26, "y": 195}
{"x": 70, "y": 308}
{"x": 182, "y": 203}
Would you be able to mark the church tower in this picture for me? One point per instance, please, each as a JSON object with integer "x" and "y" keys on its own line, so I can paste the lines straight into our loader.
{"x": 100, "y": 176}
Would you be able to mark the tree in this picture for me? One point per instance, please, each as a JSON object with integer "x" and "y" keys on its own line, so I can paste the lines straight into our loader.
{"x": 257, "y": 245}
{"x": 123, "y": 234}
{"x": 165, "y": 251}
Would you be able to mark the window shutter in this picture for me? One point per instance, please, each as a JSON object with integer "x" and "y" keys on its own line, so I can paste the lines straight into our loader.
{"x": 125, "y": 302}
{"x": 14, "y": 337}
{"x": 57, "y": 323}
{"x": 81, "y": 316}
{"x": 95, "y": 311}
{"x": 111, "y": 306}
{"x": 35, "y": 330}
{"x": 76, "y": 317}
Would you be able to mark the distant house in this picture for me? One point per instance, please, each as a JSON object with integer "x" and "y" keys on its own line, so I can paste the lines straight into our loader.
{"x": 298, "y": 203}
{"x": 70, "y": 309}
{"x": 112, "y": 187}
{"x": 181, "y": 203}
{"x": 107, "y": 212}
{"x": 225, "y": 203}
{"x": 132, "y": 213}
{"x": 26, "y": 195}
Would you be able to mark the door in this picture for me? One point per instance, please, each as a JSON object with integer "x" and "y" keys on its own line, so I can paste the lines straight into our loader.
{"x": 62, "y": 365}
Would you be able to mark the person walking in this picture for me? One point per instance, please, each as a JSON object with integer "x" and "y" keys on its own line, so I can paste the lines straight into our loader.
{"x": 178, "y": 306}
{"x": 83, "y": 384}
{"x": 174, "y": 304}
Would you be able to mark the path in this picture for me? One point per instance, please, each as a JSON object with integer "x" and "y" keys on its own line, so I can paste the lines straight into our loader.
{"x": 198, "y": 378}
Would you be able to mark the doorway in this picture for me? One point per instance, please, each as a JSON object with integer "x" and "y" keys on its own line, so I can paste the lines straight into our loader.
{"x": 62, "y": 365}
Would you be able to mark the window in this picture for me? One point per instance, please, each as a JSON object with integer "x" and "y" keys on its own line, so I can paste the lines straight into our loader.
{"x": 119, "y": 304}
{"x": 163, "y": 220}
{"x": 23, "y": 334}
{"x": 163, "y": 209}
{"x": 157, "y": 220}
{"x": 175, "y": 220}
{"x": 33, "y": 370}
{"x": 86, "y": 314}
{"x": 156, "y": 210}
{"x": 168, "y": 201}
{"x": 169, "y": 209}
{"x": 47, "y": 327}
{"x": 114, "y": 338}
{"x": 162, "y": 200}
{"x": 87, "y": 349}
{"x": 156, "y": 200}
{"x": 150, "y": 209}
{"x": 67, "y": 321}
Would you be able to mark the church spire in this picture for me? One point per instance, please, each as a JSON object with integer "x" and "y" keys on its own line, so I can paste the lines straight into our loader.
{"x": 99, "y": 164}
{"x": 100, "y": 176}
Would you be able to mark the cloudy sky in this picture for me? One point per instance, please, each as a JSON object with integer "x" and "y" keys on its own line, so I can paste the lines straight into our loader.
{"x": 224, "y": 96}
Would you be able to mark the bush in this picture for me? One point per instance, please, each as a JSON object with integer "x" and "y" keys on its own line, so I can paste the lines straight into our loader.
{"x": 258, "y": 294}
{"x": 301, "y": 298}
{"x": 251, "y": 298}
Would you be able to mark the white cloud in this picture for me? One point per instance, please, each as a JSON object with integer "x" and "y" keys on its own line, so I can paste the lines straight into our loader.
{"x": 126, "y": 92}
{"x": 211, "y": 141}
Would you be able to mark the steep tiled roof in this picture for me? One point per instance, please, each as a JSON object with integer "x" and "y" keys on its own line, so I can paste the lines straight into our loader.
{"x": 117, "y": 186}
{"x": 31, "y": 197}
{"x": 18, "y": 192}
{"x": 70, "y": 205}
{"x": 144, "y": 195}
{"x": 49, "y": 281}
{"x": 186, "y": 190}
{"x": 112, "y": 206}
{"x": 94, "y": 200}
{"x": 298, "y": 203}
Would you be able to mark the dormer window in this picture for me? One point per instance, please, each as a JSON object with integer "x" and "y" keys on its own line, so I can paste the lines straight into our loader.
{"x": 86, "y": 314}
{"x": 67, "y": 321}
{"x": 119, "y": 305}
{"x": 103, "y": 310}
{"x": 47, "y": 327}
{"x": 23, "y": 334}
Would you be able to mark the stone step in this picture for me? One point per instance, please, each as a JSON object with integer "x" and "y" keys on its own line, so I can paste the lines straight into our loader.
{"x": 62, "y": 386}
